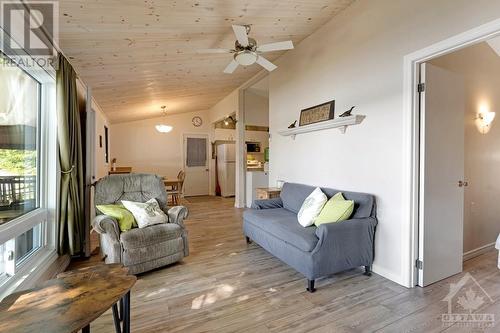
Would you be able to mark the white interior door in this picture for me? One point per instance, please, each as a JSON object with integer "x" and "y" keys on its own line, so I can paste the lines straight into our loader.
{"x": 442, "y": 107}
{"x": 197, "y": 180}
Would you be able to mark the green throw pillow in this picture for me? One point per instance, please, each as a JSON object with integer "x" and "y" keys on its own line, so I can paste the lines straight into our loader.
{"x": 124, "y": 217}
{"x": 335, "y": 210}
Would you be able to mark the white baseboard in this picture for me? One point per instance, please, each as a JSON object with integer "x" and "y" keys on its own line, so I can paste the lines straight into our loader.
{"x": 388, "y": 275}
{"x": 477, "y": 252}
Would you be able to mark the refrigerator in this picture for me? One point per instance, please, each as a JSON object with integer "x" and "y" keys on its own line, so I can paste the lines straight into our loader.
{"x": 226, "y": 169}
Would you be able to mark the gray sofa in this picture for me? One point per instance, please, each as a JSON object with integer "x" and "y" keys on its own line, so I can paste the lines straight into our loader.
{"x": 313, "y": 251}
{"x": 139, "y": 249}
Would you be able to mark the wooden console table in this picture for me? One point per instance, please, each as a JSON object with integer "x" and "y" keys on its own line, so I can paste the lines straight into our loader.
{"x": 267, "y": 192}
{"x": 120, "y": 171}
{"x": 70, "y": 302}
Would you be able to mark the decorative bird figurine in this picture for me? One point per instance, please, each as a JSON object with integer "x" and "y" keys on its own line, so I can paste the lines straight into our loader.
{"x": 347, "y": 113}
{"x": 292, "y": 125}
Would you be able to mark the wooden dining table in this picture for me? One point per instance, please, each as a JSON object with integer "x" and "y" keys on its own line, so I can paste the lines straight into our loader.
{"x": 70, "y": 302}
{"x": 173, "y": 183}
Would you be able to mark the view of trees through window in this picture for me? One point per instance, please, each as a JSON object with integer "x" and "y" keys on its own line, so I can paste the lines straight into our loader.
{"x": 15, "y": 162}
{"x": 19, "y": 172}
{"x": 19, "y": 112}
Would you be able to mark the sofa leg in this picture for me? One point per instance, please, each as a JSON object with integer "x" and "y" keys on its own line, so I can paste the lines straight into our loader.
{"x": 248, "y": 239}
{"x": 310, "y": 286}
{"x": 368, "y": 271}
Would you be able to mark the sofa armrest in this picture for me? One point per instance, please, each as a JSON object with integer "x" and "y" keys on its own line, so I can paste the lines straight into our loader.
{"x": 267, "y": 203}
{"x": 351, "y": 240}
{"x": 177, "y": 215}
{"x": 104, "y": 224}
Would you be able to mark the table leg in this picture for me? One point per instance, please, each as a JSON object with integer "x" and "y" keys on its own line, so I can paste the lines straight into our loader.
{"x": 126, "y": 313}
{"x": 116, "y": 319}
{"x": 86, "y": 329}
{"x": 121, "y": 309}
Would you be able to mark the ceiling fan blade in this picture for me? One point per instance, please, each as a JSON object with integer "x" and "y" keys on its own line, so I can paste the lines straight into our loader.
{"x": 266, "y": 64}
{"x": 241, "y": 34}
{"x": 278, "y": 46}
{"x": 206, "y": 51}
{"x": 231, "y": 67}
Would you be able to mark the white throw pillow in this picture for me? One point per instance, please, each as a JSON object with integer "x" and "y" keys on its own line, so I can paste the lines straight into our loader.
{"x": 147, "y": 213}
{"x": 311, "y": 207}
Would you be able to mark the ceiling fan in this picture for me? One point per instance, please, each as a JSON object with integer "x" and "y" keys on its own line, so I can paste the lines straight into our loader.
{"x": 246, "y": 52}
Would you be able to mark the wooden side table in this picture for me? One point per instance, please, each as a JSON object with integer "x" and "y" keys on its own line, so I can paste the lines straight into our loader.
{"x": 120, "y": 171}
{"x": 267, "y": 192}
{"x": 70, "y": 302}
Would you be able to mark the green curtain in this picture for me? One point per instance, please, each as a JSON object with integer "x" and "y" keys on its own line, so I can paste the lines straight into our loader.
{"x": 71, "y": 224}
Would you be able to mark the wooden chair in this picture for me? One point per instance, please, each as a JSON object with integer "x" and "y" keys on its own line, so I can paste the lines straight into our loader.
{"x": 176, "y": 191}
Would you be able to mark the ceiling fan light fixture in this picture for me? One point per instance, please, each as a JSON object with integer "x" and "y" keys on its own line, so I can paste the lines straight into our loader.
{"x": 246, "y": 57}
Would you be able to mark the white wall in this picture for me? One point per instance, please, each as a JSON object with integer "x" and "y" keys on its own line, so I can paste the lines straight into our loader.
{"x": 225, "y": 107}
{"x": 101, "y": 167}
{"x": 256, "y": 108}
{"x": 357, "y": 59}
{"x": 479, "y": 65}
{"x": 137, "y": 144}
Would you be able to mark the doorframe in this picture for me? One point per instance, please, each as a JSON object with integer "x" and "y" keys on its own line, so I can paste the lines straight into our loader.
{"x": 411, "y": 130}
{"x": 209, "y": 154}
{"x": 241, "y": 159}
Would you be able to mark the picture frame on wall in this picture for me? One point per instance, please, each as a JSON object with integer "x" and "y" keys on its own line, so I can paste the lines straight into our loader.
{"x": 318, "y": 113}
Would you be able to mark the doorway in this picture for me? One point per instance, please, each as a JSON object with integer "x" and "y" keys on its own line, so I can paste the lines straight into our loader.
{"x": 442, "y": 104}
{"x": 256, "y": 166}
{"x": 448, "y": 141}
{"x": 195, "y": 153}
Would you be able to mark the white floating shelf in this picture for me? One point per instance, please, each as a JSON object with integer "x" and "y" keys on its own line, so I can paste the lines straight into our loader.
{"x": 340, "y": 123}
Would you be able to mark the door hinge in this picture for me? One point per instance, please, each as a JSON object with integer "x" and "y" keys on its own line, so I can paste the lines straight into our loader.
{"x": 419, "y": 264}
{"x": 421, "y": 87}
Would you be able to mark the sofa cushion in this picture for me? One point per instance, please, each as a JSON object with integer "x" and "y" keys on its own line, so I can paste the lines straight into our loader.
{"x": 283, "y": 224}
{"x": 143, "y": 237}
{"x": 293, "y": 195}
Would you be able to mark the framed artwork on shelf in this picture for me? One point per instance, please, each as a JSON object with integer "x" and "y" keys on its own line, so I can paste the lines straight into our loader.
{"x": 318, "y": 113}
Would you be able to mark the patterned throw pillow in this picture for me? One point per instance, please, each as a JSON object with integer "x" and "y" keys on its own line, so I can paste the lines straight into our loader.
{"x": 311, "y": 207}
{"x": 147, "y": 213}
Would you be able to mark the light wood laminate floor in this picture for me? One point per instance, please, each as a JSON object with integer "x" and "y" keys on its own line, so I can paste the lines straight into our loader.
{"x": 227, "y": 286}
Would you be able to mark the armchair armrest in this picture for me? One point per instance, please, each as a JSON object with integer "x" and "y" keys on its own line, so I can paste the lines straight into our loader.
{"x": 267, "y": 203}
{"x": 104, "y": 224}
{"x": 350, "y": 241}
{"x": 177, "y": 215}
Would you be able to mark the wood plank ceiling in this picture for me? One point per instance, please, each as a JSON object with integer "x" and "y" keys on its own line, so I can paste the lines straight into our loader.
{"x": 140, "y": 54}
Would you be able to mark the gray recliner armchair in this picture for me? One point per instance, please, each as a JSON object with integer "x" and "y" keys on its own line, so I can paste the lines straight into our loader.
{"x": 139, "y": 249}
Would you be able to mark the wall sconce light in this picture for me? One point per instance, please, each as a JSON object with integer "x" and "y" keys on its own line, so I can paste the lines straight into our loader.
{"x": 484, "y": 120}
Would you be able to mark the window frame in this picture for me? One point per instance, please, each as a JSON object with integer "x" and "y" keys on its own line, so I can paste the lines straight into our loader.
{"x": 30, "y": 268}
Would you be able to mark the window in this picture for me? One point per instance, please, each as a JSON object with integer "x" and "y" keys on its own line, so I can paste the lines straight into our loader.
{"x": 17, "y": 250}
{"x": 196, "y": 152}
{"x": 106, "y": 143}
{"x": 19, "y": 156}
{"x": 28, "y": 172}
